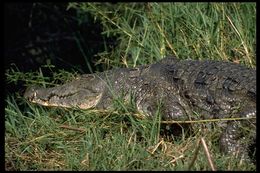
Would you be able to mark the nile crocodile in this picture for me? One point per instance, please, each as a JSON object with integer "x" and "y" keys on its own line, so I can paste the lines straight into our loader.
{"x": 214, "y": 89}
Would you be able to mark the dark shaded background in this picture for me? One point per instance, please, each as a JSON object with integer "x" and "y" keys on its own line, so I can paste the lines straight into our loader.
{"x": 39, "y": 33}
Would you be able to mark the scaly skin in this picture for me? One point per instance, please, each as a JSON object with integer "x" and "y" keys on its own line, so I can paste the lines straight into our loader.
{"x": 213, "y": 89}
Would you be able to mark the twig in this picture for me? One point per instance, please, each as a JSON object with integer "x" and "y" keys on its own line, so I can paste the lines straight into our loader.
{"x": 213, "y": 167}
{"x": 202, "y": 141}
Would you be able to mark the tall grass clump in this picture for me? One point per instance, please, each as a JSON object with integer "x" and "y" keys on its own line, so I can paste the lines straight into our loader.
{"x": 149, "y": 31}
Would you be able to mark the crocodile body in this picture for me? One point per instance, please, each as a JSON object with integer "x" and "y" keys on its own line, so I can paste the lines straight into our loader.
{"x": 181, "y": 88}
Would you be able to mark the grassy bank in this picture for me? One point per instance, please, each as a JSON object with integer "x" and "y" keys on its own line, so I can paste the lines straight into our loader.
{"x": 43, "y": 138}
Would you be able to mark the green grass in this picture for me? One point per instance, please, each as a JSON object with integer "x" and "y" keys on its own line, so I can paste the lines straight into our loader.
{"x": 40, "y": 138}
{"x": 149, "y": 31}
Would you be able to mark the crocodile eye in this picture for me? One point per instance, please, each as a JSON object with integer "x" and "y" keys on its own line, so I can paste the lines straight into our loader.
{"x": 91, "y": 77}
{"x": 88, "y": 76}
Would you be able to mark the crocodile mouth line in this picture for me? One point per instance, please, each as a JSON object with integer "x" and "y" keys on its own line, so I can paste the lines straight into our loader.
{"x": 51, "y": 100}
{"x": 35, "y": 98}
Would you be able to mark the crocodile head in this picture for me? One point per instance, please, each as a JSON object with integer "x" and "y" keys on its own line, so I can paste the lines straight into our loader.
{"x": 84, "y": 92}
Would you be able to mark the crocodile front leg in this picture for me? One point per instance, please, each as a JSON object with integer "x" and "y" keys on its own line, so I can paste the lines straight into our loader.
{"x": 238, "y": 136}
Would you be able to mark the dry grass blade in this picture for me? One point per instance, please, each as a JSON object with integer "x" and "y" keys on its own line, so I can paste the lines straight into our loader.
{"x": 207, "y": 120}
{"x": 242, "y": 41}
{"x": 195, "y": 155}
{"x": 72, "y": 128}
